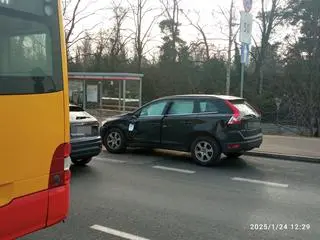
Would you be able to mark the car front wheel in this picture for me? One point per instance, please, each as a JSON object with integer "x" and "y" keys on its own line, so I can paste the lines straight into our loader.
{"x": 206, "y": 151}
{"x": 114, "y": 141}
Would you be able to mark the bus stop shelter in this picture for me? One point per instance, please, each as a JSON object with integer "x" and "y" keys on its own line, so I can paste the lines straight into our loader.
{"x": 115, "y": 91}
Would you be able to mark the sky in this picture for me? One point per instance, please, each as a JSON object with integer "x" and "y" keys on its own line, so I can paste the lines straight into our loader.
{"x": 213, "y": 22}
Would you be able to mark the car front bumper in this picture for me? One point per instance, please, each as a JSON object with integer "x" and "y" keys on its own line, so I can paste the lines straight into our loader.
{"x": 85, "y": 147}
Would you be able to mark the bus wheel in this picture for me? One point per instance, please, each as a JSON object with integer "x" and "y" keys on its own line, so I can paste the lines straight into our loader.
{"x": 81, "y": 162}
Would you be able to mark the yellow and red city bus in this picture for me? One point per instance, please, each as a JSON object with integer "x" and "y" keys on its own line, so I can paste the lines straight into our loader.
{"x": 34, "y": 117}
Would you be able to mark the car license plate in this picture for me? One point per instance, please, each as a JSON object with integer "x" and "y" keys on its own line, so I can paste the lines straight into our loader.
{"x": 85, "y": 130}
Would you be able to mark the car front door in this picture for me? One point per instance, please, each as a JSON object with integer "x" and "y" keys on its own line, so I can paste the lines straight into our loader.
{"x": 145, "y": 128}
{"x": 178, "y": 124}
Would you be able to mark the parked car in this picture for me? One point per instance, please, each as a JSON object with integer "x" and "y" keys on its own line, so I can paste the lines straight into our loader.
{"x": 205, "y": 125}
{"x": 85, "y": 139}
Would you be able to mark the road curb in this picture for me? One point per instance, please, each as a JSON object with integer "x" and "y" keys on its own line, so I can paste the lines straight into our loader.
{"x": 284, "y": 157}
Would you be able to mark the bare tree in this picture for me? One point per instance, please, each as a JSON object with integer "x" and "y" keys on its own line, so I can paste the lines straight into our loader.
{"x": 200, "y": 29}
{"x": 229, "y": 16}
{"x": 74, "y": 12}
{"x": 172, "y": 13}
{"x": 269, "y": 20}
{"x": 142, "y": 35}
{"x": 117, "y": 41}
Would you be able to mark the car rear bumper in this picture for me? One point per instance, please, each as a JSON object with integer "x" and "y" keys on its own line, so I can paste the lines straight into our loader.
{"x": 85, "y": 147}
{"x": 242, "y": 146}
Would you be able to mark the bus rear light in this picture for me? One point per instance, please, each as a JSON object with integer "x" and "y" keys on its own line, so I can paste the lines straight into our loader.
{"x": 236, "y": 117}
{"x": 60, "y": 164}
{"x": 67, "y": 176}
{"x": 67, "y": 150}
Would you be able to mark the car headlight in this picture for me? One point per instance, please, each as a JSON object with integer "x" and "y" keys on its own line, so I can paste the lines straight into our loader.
{"x": 106, "y": 120}
{"x": 103, "y": 122}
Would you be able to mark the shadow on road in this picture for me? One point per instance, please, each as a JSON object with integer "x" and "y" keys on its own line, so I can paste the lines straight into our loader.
{"x": 234, "y": 166}
{"x": 168, "y": 156}
{"x": 81, "y": 171}
{"x": 233, "y": 163}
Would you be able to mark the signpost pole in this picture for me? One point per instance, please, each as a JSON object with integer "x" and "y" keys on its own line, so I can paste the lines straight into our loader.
{"x": 245, "y": 38}
{"x": 242, "y": 80}
{"x": 244, "y": 60}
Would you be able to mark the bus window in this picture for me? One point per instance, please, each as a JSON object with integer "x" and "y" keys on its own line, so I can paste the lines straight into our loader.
{"x": 29, "y": 65}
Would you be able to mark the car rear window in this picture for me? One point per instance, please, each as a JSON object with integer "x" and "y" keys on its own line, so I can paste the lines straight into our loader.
{"x": 208, "y": 106}
{"x": 212, "y": 106}
{"x": 75, "y": 109}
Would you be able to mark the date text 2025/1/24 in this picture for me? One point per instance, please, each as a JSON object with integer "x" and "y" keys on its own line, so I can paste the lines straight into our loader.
{"x": 279, "y": 227}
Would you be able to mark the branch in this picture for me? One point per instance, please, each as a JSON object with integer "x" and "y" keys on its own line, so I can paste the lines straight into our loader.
{"x": 74, "y": 13}
{"x": 76, "y": 39}
{"x": 224, "y": 14}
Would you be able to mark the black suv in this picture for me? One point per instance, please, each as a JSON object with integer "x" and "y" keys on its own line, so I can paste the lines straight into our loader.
{"x": 205, "y": 125}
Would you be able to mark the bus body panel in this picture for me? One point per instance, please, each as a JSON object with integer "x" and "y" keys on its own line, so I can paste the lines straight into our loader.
{"x": 23, "y": 215}
{"x": 34, "y": 212}
{"x": 33, "y": 127}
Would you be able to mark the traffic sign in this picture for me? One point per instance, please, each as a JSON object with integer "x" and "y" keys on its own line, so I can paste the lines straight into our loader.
{"x": 244, "y": 53}
{"x": 247, "y": 4}
{"x": 278, "y": 102}
{"x": 245, "y": 27}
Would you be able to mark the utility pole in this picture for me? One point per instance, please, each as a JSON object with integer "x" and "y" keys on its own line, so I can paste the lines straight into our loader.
{"x": 245, "y": 38}
{"x": 230, "y": 40}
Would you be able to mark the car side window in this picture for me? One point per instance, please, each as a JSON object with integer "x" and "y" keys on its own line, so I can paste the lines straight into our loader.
{"x": 154, "y": 109}
{"x": 208, "y": 106}
{"x": 181, "y": 107}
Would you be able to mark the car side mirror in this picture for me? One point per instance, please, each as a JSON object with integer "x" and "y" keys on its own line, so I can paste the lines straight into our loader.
{"x": 136, "y": 115}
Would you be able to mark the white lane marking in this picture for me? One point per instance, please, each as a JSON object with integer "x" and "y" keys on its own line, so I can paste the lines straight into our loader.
{"x": 260, "y": 182}
{"x": 109, "y": 160}
{"x": 174, "y": 169}
{"x": 117, "y": 233}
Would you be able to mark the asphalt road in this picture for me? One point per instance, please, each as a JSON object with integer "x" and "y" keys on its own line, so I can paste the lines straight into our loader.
{"x": 135, "y": 196}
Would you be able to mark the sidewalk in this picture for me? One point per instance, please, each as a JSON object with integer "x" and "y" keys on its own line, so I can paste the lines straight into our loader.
{"x": 289, "y": 148}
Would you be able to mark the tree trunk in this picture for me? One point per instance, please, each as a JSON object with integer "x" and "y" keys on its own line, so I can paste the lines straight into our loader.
{"x": 261, "y": 77}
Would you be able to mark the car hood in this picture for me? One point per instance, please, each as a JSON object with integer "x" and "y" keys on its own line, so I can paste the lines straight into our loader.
{"x": 81, "y": 117}
{"x": 116, "y": 117}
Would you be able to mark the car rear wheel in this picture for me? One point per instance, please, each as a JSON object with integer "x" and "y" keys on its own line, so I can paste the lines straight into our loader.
{"x": 206, "y": 151}
{"x": 233, "y": 155}
{"x": 114, "y": 141}
{"x": 81, "y": 162}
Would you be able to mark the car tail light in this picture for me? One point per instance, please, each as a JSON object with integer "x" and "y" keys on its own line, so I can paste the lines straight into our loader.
{"x": 60, "y": 166}
{"x": 233, "y": 146}
{"x": 236, "y": 117}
